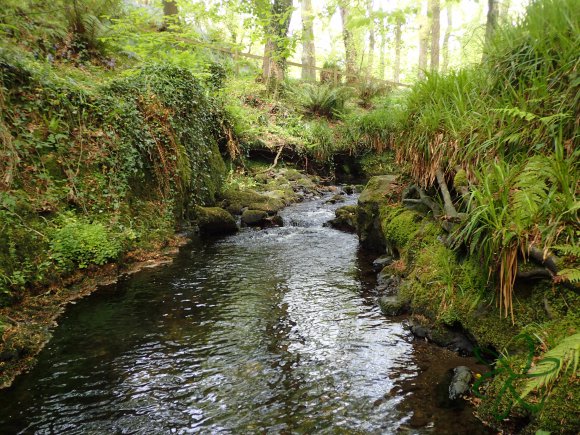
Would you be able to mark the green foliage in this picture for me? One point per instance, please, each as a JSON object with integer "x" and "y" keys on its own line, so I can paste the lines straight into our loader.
{"x": 81, "y": 244}
{"x": 368, "y": 90}
{"x": 517, "y": 206}
{"x": 323, "y": 100}
{"x": 139, "y": 149}
{"x": 322, "y": 142}
{"x": 553, "y": 364}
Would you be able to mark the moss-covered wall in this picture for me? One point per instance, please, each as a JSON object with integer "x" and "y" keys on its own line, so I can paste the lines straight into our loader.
{"x": 98, "y": 164}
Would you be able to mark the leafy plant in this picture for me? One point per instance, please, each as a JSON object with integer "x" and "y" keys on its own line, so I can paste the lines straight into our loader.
{"x": 81, "y": 244}
{"x": 553, "y": 364}
{"x": 516, "y": 207}
{"x": 323, "y": 100}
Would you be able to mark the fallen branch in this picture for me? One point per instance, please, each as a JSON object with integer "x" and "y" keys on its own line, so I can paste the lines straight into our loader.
{"x": 423, "y": 199}
{"x": 275, "y": 161}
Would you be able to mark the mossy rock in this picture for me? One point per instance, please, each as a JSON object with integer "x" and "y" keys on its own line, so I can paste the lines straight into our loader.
{"x": 460, "y": 179}
{"x": 254, "y": 218}
{"x": 345, "y": 219}
{"x": 215, "y": 221}
{"x": 235, "y": 200}
{"x": 306, "y": 184}
{"x": 269, "y": 205}
{"x": 293, "y": 174}
{"x": 392, "y": 305}
{"x": 375, "y": 195}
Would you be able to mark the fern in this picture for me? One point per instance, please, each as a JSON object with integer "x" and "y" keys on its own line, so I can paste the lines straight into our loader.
{"x": 514, "y": 112}
{"x": 531, "y": 189}
{"x": 570, "y": 275}
{"x": 554, "y": 363}
{"x": 573, "y": 250}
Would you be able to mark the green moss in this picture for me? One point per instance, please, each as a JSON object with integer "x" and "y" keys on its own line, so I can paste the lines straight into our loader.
{"x": 561, "y": 410}
{"x": 460, "y": 179}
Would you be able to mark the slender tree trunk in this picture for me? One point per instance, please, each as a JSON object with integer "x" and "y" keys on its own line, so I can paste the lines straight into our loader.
{"x": 398, "y": 46}
{"x": 445, "y": 49}
{"x": 382, "y": 49}
{"x": 492, "y": 16}
{"x": 308, "y": 48}
{"x": 274, "y": 65}
{"x": 371, "y": 61}
{"x": 423, "y": 40}
{"x": 435, "y": 33}
{"x": 349, "y": 46}
{"x": 170, "y": 12}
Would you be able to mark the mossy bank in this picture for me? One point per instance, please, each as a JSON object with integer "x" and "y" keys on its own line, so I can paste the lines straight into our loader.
{"x": 449, "y": 290}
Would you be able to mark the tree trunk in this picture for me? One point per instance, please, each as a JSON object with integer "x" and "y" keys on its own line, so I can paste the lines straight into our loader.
{"x": 492, "y": 16}
{"x": 445, "y": 50}
{"x": 349, "y": 46}
{"x": 423, "y": 40}
{"x": 435, "y": 33}
{"x": 398, "y": 46}
{"x": 170, "y": 12}
{"x": 308, "y": 48}
{"x": 371, "y": 61}
{"x": 382, "y": 62}
{"x": 274, "y": 65}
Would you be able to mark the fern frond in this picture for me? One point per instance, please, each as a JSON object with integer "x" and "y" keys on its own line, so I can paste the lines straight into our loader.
{"x": 554, "y": 363}
{"x": 568, "y": 249}
{"x": 515, "y": 112}
{"x": 570, "y": 275}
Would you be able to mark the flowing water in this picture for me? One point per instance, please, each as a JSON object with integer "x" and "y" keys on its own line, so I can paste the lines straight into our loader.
{"x": 265, "y": 331}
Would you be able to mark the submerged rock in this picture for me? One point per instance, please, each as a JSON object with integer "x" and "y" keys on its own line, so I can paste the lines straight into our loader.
{"x": 215, "y": 221}
{"x": 460, "y": 382}
{"x": 336, "y": 198}
{"x": 442, "y": 335}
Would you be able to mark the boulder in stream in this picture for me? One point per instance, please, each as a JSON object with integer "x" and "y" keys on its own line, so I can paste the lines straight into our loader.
{"x": 392, "y": 305}
{"x": 215, "y": 221}
{"x": 253, "y": 218}
{"x": 345, "y": 219}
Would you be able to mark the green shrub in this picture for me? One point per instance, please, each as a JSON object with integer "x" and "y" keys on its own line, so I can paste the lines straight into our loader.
{"x": 81, "y": 244}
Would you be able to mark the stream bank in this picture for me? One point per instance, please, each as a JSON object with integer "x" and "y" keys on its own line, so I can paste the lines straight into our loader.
{"x": 447, "y": 295}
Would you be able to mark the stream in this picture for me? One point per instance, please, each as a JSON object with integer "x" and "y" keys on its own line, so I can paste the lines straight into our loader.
{"x": 266, "y": 331}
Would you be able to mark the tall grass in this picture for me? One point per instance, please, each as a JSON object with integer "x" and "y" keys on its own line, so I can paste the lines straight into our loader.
{"x": 512, "y": 124}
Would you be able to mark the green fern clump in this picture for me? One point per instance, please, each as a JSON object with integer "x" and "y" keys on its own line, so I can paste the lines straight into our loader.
{"x": 519, "y": 206}
{"x": 323, "y": 100}
{"x": 562, "y": 359}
